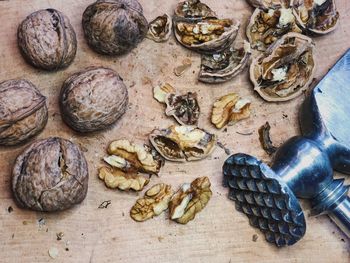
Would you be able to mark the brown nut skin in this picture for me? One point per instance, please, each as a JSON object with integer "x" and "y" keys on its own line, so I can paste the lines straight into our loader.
{"x": 23, "y": 111}
{"x": 50, "y": 175}
{"x": 114, "y": 27}
{"x": 93, "y": 99}
{"x": 47, "y": 40}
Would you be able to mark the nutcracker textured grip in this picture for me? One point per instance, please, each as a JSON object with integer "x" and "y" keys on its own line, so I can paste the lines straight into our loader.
{"x": 267, "y": 201}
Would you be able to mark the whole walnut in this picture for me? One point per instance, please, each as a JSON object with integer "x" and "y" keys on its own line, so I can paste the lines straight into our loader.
{"x": 114, "y": 27}
{"x": 50, "y": 175}
{"x": 23, "y": 111}
{"x": 93, "y": 99}
{"x": 47, "y": 40}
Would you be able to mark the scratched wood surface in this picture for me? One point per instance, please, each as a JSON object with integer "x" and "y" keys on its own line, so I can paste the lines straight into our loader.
{"x": 219, "y": 233}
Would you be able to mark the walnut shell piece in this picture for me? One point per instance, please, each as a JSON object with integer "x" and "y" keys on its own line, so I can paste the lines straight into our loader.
{"x": 154, "y": 202}
{"x": 160, "y": 28}
{"x": 230, "y": 109}
{"x": 23, "y": 111}
{"x": 115, "y": 178}
{"x": 114, "y": 27}
{"x": 193, "y": 10}
{"x": 161, "y": 91}
{"x": 269, "y": 4}
{"x": 47, "y": 40}
{"x": 50, "y": 175}
{"x": 93, "y": 99}
{"x": 190, "y": 200}
{"x": 285, "y": 70}
{"x": 316, "y": 16}
{"x": 183, "y": 143}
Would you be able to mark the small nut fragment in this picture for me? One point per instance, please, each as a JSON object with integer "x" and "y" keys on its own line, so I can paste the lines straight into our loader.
{"x": 183, "y": 143}
{"x": 131, "y": 157}
{"x": 155, "y": 201}
{"x": 265, "y": 139}
{"x": 160, "y": 28}
{"x": 190, "y": 200}
{"x": 160, "y": 91}
{"x": 115, "y": 178}
{"x": 186, "y": 64}
{"x": 230, "y": 109}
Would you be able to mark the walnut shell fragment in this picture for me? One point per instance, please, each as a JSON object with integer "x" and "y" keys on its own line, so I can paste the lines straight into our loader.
{"x": 285, "y": 70}
{"x": 114, "y": 27}
{"x": 93, "y": 99}
{"x": 221, "y": 67}
{"x": 130, "y": 157}
{"x": 207, "y": 36}
{"x": 190, "y": 200}
{"x": 266, "y": 26}
{"x": 269, "y": 4}
{"x": 47, "y": 40}
{"x": 160, "y": 29}
{"x": 50, "y": 175}
{"x": 154, "y": 202}
{"x": 193, "y": 10}
{"x": 183, "y": 143}
{"x": 115, "y": 178}
{"x": 316, "y": 16}
{"x": 23, "y": 111}
{"x": 161, "y": 91}
{"x": 230, "y": 109}
{"x": 265, "y": 140}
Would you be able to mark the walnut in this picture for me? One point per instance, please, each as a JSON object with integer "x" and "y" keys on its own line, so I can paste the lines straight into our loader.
{"x": 50, "y": 175}
{"x": 47, "y": 40}
{"x": 230, "y": 109}
{"x": 192, "y": 10}
{"x": 23, "y": 111}
{"x": 115, "y": 178}
{"x": 183, "y": 143}
{"x": 190, "y": 200}
{"x": 131, "y": 157}
{"x": 93, "y": 99}
{"x": 160, "y": 91}
{"x": 160, "y": 28}
{"x": 114, "y": 27}
{"x": 154, "y": 202}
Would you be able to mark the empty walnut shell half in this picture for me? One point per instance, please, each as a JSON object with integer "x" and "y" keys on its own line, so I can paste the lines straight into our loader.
{"x": 265, "y": 27}
{"x": 207, "y": 36}
{"x": 23, "y": 111}
{"x": 193, "y": 10}
{"x": 160, "y": 28}
{"x": 114, "y": 27}
{"x": 50, "y": 175}
{"x": 47, "y": 40}
{"x": 183, "y": 143}
{"x": 316, "y": 16}
{"x": 93, "y": 99}
{"x": 221, "y": 67}
{"x": 285, "y": 70}
{"x": 269, "y": 4}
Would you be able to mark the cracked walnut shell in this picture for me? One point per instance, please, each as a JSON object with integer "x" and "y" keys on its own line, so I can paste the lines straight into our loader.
{"x": 269, "y": 4}
{"x": 230, "y": 109}
{"x": 190, "y": 200}
{"x": 160, "y": 28}
{"x": 155, "y": 201}
{"x": 50, "y": 175}
{"x": 47, "y": 40}
{"x": 23, "y": 111}
{"x": 193, "y": 10}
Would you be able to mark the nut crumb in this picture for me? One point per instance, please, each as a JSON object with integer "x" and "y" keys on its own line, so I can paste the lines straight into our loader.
{"x": 59, "y": 236}
{"x": 255, "y": 237}
{"x": 10, "y": 209}
{"x": 105, "y": 204}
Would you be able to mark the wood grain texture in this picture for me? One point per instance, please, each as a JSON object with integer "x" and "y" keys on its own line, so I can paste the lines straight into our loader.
{"x": 218, "y": 233}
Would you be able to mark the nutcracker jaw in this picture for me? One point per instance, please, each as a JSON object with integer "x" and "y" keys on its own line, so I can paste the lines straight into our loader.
{"x": 302, "y": 167}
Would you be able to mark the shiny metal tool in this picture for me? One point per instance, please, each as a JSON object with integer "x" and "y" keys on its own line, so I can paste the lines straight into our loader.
{"x": 302, "y": 167}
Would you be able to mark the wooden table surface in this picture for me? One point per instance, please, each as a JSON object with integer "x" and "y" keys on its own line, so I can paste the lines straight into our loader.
{"x": 218, "y": 233}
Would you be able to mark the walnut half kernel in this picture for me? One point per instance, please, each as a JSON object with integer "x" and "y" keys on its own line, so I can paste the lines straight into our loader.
{"x": 230, "y": 109}
{"x": 190, "y": 200}
{"x": 154, "y": 202}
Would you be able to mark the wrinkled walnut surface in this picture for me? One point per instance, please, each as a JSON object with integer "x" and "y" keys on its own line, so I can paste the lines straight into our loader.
{"x": 93, "y": 99}
{"x": 114, "y": 27}
{"x": 47, "y": 40}
{"x": 269, "y": 4}
{"x": 192, "y": 10}
{"x": 23, "y": 111}
{"x": 50, "y": 175}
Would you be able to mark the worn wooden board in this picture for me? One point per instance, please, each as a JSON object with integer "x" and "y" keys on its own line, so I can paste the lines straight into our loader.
{"x": 219, "y": 233}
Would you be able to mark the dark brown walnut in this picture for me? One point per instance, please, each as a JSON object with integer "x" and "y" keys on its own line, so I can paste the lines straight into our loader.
{"x": 160, "y": 28}
{"x": 50, "y": 175}
{"x": 316, "y": 16}
{"x": 114, "y": 27}
{"x": 221, "y": 67}
{"x": 265, "y": 27}
{"x": 193, "y": 10}
{"x": 269, "y": 4}
{"x": 23, "y": 111}
{"x": 285, "y": 70}
{"x": 47, "y": 40}
{"x": 93, "y": 99}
